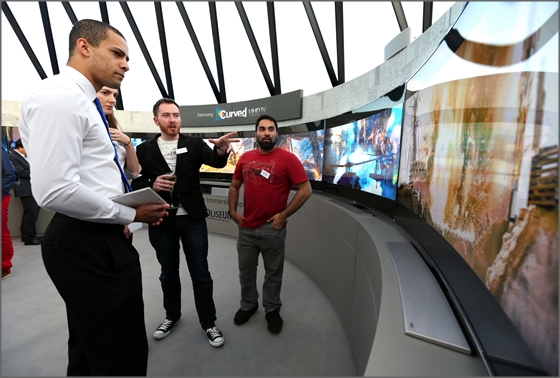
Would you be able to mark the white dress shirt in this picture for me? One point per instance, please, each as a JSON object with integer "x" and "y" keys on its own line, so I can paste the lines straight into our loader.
{"x": 71, "y": 156}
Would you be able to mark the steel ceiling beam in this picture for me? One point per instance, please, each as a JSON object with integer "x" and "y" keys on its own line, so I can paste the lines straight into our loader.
{"x": 217, "y": 51}
{"x": 105, "y": 18}
{"x": 143, "y": 47}
{"x": 198, "y": 49}
{"x": 164, "y": 51}
{"x": 49, "y": 36}
{"x": 339, "y": 19}
{"x": 320, "y": 42}
{"x": 399, "y": 13}
{"x": 24, "y": 43}
{"x": 104, "y": 12}
{"x": 69, "y": 12}
{"x": 273, "y": 46}
{"x": 255, "y": 46}
{"x": 274, "y": 88}
{"x": 427, "y": 15}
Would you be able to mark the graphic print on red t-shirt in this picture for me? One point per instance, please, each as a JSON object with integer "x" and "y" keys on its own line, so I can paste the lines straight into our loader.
{"x": 254, "y": 174}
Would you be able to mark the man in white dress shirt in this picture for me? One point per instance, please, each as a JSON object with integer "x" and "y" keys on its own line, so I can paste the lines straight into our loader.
{"x": 73, "y": 172}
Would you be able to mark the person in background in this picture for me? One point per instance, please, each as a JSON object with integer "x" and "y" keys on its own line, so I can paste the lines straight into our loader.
{"x": 92, "y": 265}
{"x": 268, "y": 174}
{"x": 173, "y": 152}
{"x": 122, "y": 142}
{"x": 127, "y": 156}
{"x": 8, "y": 180}
{"x": 22, "y": 190}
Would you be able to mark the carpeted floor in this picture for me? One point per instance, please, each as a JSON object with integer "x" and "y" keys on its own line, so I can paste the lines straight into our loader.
{"x": 312, "y": 341}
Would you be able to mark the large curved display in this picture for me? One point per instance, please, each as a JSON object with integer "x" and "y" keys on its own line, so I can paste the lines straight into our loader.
{"x": 480, "y": 166}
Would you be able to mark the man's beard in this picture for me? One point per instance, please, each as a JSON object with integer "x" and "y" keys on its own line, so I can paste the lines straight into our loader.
{"x": 267, "y": 146}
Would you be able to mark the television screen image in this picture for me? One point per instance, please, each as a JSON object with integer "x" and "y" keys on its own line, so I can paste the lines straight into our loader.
{"x": 238, "y": 149}
{"x": 308, "y": 147}
{"x": 136, "y": 141}
{"x": 479, "y": 160}
{"x": 364, "y": 154}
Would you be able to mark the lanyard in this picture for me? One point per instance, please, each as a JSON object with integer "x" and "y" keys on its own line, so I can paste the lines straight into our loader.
{"x": 123, "y": 176}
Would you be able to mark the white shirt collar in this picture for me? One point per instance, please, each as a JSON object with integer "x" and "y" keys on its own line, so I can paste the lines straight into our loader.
{"x": 82, "y": 81}
{"x": 20, "y": 153}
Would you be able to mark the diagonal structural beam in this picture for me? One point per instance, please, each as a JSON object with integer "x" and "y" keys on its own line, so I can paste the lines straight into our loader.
{"x": 399, "y": 13}
{"x": 320, "y": 42}
{"x": 164, "y": 51}
{"x": 143, "y": 47}
{"x": 69, "y": 12}
{"x": 427, "y": 15}
{"x": 49, "y": 36}
{"x": 255, "y": 46}
{"x": 339, "y": 19}
{"x": 217, "y": 51}
{"x": 273, "y": 46}
{"x": 105, "y": 18}
{"x": 104, "y": 12}
{"x": 26, "y": 46}
{"x": 198, "y": 49}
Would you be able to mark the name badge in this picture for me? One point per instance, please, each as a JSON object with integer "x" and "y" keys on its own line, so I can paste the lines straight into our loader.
{"x": 181, "y": 150}
{"x": 265, "y": 174}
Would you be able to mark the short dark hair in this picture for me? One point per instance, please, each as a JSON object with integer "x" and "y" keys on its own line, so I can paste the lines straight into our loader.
{"x": 19, "y": 144}
{"x": 164, "y": 100}
{"x": 92, "y": 30}
{"x": 265, "y": 116}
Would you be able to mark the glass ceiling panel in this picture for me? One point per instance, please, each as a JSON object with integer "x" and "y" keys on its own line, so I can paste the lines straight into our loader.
{"x": 243, "y": 77}
{"x": 368, "y": 27}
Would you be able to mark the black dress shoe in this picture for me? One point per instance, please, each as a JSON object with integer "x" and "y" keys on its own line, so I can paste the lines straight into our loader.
{"x": 274, "y": 321}
{"x": 242, "y": 317}
{"x": 35, "y": 241}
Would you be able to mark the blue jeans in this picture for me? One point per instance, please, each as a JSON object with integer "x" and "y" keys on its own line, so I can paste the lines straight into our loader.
{"x": 270, "y": 242}
{"x": 193, "y": 234}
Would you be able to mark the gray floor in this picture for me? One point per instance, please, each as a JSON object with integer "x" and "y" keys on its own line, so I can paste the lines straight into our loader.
{"x": 312, "y": 341}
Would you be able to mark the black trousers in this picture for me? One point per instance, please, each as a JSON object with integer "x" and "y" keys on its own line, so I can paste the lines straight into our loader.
{"x": 29, "y": 217}
{"x": 97, "y": 273}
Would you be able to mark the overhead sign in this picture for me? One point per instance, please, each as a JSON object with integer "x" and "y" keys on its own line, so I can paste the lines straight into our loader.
{"x": 282, "y": 107}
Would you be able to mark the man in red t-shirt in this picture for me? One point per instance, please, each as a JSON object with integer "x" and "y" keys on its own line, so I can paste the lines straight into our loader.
{"x": 268, "y": 173}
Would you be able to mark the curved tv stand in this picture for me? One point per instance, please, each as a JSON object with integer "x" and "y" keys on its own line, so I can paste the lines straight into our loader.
{"x": 356, "y": 257}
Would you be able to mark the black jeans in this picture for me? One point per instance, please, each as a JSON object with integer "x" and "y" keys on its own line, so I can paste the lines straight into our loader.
{"x": 194, "y": 236}
{"x": 29, "y": 217}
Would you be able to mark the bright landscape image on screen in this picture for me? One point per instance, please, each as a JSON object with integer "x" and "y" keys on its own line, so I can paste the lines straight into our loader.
{"x": 480, "y": 160}
{"x": 364, "y": 154}
{"x": 238, "y": 149}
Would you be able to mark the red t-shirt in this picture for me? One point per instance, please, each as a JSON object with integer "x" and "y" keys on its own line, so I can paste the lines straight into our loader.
{"x": 267, "y": 180}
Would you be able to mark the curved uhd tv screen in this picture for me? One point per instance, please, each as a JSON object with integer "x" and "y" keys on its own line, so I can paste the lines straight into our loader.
{"x": 480, "y": 157}
{"x": 363, "y": 152}
{"x": 237, "y": 149}
{"x": 306, "y": 141}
